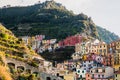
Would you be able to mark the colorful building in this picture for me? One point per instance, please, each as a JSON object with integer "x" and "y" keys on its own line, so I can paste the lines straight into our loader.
{"x": 87, "y": 65}
{"x": 91, "y": 46}
{"x": 114, "y": 47}
{"x": 102, "y": 48}
{"x": 100, "y": 73}
{"x": 71, "y": 41}
{"x": 108, "y": 60}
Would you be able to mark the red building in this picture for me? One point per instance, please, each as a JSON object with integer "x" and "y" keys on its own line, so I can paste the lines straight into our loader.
{"x": 71, "y": 41}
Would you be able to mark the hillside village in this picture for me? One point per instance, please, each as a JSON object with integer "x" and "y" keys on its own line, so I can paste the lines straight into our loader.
{"x": 46, "y": 41}
{"x": 93, "y": 59}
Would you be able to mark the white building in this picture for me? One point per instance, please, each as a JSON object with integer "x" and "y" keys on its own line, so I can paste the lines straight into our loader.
{"x": 102, "y": 72}
{"x": 81, "y": 73}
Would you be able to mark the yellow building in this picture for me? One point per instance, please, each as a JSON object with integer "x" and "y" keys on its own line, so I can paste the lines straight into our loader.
{"x": 116, "y": 67}
{"x": 97, "y": 47}
{"x": 117, "y": 59}
{"x": 56, "y": 46}
{"x": 92, "y": 49}
{"x": 102, "y": 48}
{"x": 78, "y": 47}
{"x": 69, "y": 76}
{"x": 118, "y": 46}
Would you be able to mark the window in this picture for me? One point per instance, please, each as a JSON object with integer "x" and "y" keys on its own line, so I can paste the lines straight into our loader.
{"x": 98, "y": 76}
{"x": 104, "y": 50}
{"x": 91, "y": 71}
{"x": 78, "y": 71}
{"x": 84, "y": 65}
{"x": 82, "y": 71}
{"x": 80, "y": 76}
{"x": 92, "y": 75}
{"x": 88, "y": 75}
{"x": 116, "y": 75}
{"x": 89, "y": 65}
{"x": 98, "y": 59}
{"x": 102, "y": 76}
{"x": 103, "y": 70}
{"x": 96, "y": 71}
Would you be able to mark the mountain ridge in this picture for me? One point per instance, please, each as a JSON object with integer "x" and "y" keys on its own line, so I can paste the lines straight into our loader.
{"x": 48, "y": 18}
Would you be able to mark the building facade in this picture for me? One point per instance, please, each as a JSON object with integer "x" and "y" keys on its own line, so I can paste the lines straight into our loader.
{"x": 100, "y": 73}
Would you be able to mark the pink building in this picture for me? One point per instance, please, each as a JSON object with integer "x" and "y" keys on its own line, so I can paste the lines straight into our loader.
{"x": 71, "y": 41}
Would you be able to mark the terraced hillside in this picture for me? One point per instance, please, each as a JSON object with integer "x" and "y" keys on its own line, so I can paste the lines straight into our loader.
{"x": 14, "y": 48}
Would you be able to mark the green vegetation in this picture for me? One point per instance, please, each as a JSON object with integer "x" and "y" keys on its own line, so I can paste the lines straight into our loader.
{"x": 48, "y": 18}
{"x": 58, "y": 54}
{"x": 12, "y": 45}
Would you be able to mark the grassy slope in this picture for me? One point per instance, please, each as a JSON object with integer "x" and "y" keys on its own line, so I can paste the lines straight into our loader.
{"x": 12, "y": 47}
{"x": 4, "y": 74}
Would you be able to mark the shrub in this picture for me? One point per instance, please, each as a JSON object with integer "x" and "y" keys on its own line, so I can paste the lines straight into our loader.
{"x": 5, "y": 36}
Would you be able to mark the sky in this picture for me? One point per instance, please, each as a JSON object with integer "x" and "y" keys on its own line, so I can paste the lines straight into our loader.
{"x": 104, "y": 13}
